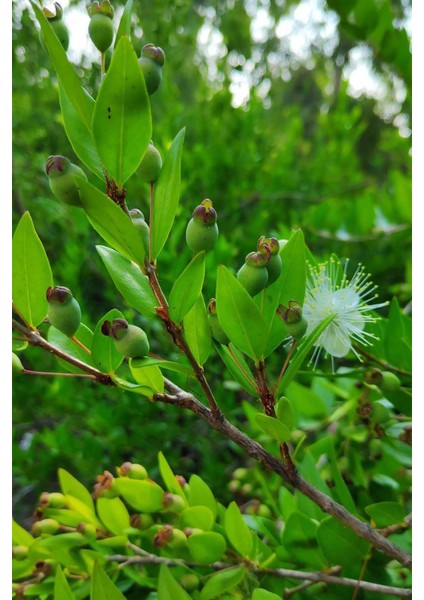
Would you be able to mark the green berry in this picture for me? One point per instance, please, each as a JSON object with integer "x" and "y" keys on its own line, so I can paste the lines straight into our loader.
{"x": 253, "y": 275}
{"x": 296, "y": 325}
{"x": 52, "y": 500}
{"x": 19, "y": 552}
{"x": 64, "y": 312}
{"x": 189, "y": 581}
{"x": 139, "y": 222}
{"x": 61, "y": 174}
{"x": 49, "y": 526}
{"x": 297, "y": 330}
{"x": 88, "y": 530}
{"x": 202, "y": 230}
{"x": 390, "y": 382}
{"x": 173, "y": 503}
{"x": 17, "y": 366}
{"x": 151, "y": 61}
{"x": 217, "y": 332}
{"x": 129, "y": 340}
{"x": 132, "y": 470}
{"x": 58, "y": 26}
{"x": 151, "y": 165}
{"x": 101, "y": 32}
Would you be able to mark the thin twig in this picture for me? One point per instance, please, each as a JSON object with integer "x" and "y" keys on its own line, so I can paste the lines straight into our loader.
{"x": 80, "y": 344}
{"x": 385, "y": 365}
{"x": 397, "y": 527}
{"x": 284, "y": 367}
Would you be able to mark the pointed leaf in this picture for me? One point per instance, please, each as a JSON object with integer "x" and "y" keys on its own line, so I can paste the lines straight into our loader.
{"x": 168, "y": 586}
{"x": 113, "y": 514}
{"x": 221, "y": 582}
{"x": 167, "y": 195}
{"x": 102, "y": 587}
{"x": 170, "y": 365}
{"x": 197, "y": 331}
{"x": 79, "y": 134}
{"x": 124, "y": 26}
{"x": 31, "y": 272}
{"x": 169, "y": 477}
{"x": 130, "y": 281}
{"x": 238, "y": 315}
{"x": 340, "y": 544}
{"x": 143, "y": 495}
{"x": 122, "y": 123}
{"x": 237, "y": 531}
{"x": 20, "y": 536}
{"x": 200, "y": 494}
{"x": 110, "y": 221}
{"x": 70, "y": 485}
{"x": 207, "y": 547}
{"x": 273, "y": 427}
{"x": 187, "y": 288}
{"x": 64, "y": 70}
{"x": 62, "y": 590}
{"x": 238, "y": 367}
{"x": 149, "y": 377}
{"x": 386, "y": 513}
{"x": 66, "y": 344}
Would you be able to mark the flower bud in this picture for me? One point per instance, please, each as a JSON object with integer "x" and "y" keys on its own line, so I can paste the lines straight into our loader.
{"x": 105, "y": 486}
{"x": 61, "y": 174}
{"x": 132, "y": 470}
{"x": 129, "y": 340}
{"x": 58, "y": 26}
{"x": 253, "y": 275}
{"x": 64, "y": 312}
{"x": 49, "y": 526}
{"x": 140, "y": 222}
{"x": 17, "y": 366}
{"x": 151, "y": 164}
{"x": 217, "y": 332}
{"x": 296, "y": 325}
{"x": 151, "y": 61}
{"x": 100, "y": 28}
{"x": 202, "y": 230}
{"x": 271, "y": 246}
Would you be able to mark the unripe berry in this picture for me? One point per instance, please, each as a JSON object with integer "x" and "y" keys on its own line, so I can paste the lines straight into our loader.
{"x": 64, "y": 312}
{"x": 129, "y": 340}
{"x": 50, "y": 526}
{"x": 17, "y": 366}
{"x": 61, "y": 174}
{"x": 272, "y": 247}
{"x": 151, "y": 61}
{"x": 296, "y": 325}
{"x": 189, "y": 581}
{"x": 139, "y": 222}
{"x": 173, "y": 503}
{"x": 58, "y": 26}
{"x": 52, "y": 500}
{"x": 100, "y": 28}
{"x": 141, "y": 521}
{"x": 253, "y": 275}
{"x": 217, "y": 332}
{"x": 151, "y": 164}
{"x": 132, "y": 470}
{"x": 202, "y": 230}
{"x": 19, "y": 552}
{"x": 390, "y": 382}
{"x": 88, "y": 531}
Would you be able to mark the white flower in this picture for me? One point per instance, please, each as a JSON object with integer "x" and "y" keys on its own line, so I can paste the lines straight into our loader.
{"x": 329, "y": 292}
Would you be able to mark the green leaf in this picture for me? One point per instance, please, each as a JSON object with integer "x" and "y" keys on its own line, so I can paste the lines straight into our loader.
{"x": 207, "y": 547}
{"x": 64, "y": 70}
{"x": 299, "y": 539}
{"x": 110, "y": 221}
{"x": 31, "y": 272}
{"x": 238, "y": 367}
{"x": 79, "y": 134}
{"x": 130, "y": 281}
{"x": 261, "y": 594}
{"x": 169, "y": 477}
{"x": 168, "y": 587}
{"x": 340, "y": 544}
{"x": 221, "y": 582}
{"x": 200, "y": 517}
{"x": 150, "y": 377}
{"x": 128, "y": 386}
{"x": 273, "y": 427}
{"x": 66, "y": 344}
{"x": 103, "y": 352}
{"x": 142, "y": 495}
{"x": 197, "y": 331}
{"x": 237, "y": 531}
{"x": 284, "y": 412}
{"x": 238, "y": 315}
{"x": 102, "y": 587}
{"x": 71, "y": 486}
{"x": 386, "y": 513}
{"x": 62, "y": 590}
{"x": 170, "y": 365}
{"x": 113, "y": 514}
{"x": 20, "y": 536}
{"x": 290, "y": 285}
{"x": 200, "y": 494}
{"x": 167, "y": 195}
{"x": 187, "y": 288}
{"x": 122, "y": 122}
{"x": 301, "y": 354}
{"x": 124, "y": 27}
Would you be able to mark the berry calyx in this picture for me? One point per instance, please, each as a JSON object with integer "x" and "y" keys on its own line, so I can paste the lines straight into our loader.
{"x": 64, "y": 312}
{"x": 295, "y": 323}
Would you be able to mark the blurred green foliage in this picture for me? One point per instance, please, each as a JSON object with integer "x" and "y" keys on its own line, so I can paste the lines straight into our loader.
{"x": 302, "y": 149}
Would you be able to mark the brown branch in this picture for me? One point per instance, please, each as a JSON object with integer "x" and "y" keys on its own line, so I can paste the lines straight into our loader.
{"x": 310, "y": 577}
{"x": 397, "y": 527}
{"x": 35, "y": 339}
{"x": 180, "y": 398}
